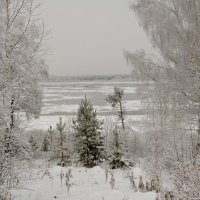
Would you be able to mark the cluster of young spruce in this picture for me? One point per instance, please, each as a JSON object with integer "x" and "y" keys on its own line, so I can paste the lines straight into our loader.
{"x": 85, "y": 144}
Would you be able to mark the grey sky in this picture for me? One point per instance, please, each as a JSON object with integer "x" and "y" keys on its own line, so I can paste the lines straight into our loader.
{"x": 88, "y": 36}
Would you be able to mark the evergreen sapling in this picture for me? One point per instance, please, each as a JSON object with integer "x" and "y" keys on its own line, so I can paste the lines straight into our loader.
{"x": 33, "y": 143}
{"x": 45, "y": 144}
{"x": 88, "y": 135}
{"x": 117, "y": 150}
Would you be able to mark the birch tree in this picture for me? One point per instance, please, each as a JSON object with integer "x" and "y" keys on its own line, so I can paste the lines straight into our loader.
{"x": 21, "y": 66}
{"x": 173, "y": 28}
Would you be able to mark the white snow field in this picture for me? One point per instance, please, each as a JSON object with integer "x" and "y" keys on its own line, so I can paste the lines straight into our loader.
{"x": 86, "y": 184}
{"x": 62, "y": 100}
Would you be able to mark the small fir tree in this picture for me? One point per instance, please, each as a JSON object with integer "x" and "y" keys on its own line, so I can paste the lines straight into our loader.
{"x": 112, "y": 181}
{"x": 45, "y": 144}
{"x": 62, "y": 150}
{"x": 141, "y": 184}
{"x": 117, "y": 150}
{"x": 88, "y": 136}
{"x": 116, "y": 102}
{"x": 33, "y": 143}
{"x": 50, "y": 136}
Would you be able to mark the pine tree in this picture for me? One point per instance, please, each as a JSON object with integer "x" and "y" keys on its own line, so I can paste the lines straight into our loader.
{"x": 45, "y": 144}
{"x": 87, "y": 132}
{"x": 33, "y": 143}
{"x": 50, "y": 136}
{"x": 116, "y": 101}
{"x": 117, "y": 150}
{"x": 62, "y": 150}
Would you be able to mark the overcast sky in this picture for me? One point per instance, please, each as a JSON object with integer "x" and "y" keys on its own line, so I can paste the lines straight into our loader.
{"x": 88, "y": 36}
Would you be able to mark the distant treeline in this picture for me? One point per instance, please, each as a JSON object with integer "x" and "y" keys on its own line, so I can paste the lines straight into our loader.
{"x": 119, "y": 77}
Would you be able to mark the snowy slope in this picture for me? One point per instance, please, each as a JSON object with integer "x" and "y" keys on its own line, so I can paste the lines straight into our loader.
{"x": 87, "y": 184}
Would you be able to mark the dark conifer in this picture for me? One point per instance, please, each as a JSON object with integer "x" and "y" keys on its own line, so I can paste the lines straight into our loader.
{"x": 88, "y": 135}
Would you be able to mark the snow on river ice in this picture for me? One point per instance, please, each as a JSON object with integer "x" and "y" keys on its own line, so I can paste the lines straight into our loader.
{"x": 61, "y": 99}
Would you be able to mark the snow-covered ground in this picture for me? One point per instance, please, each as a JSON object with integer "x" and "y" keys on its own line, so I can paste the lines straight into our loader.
{"x": 86, "y": 184}
{"x": 62, "y": 100}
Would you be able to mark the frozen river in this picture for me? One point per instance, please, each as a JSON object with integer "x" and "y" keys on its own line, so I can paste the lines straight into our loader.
{"x": 62, "y": 99}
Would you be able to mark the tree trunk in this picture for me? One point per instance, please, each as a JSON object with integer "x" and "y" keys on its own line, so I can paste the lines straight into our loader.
{"x": 121, "y": 115}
